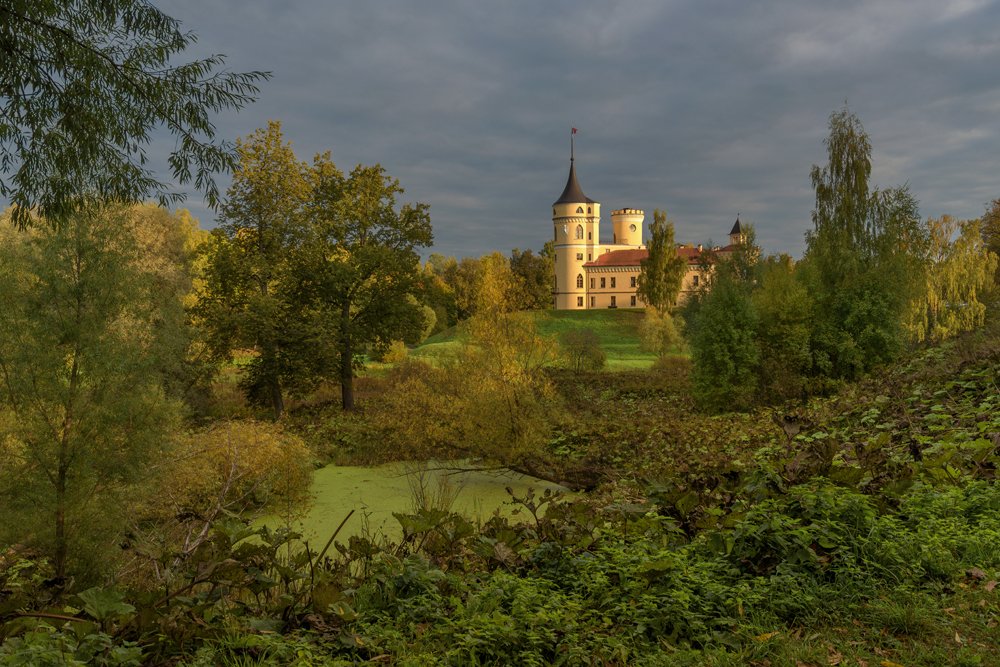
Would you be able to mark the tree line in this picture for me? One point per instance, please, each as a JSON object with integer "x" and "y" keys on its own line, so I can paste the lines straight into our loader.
{"x": 875, "y": 279}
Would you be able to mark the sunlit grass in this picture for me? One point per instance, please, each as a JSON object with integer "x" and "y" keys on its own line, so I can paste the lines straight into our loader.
{"x": 616, "y": 329}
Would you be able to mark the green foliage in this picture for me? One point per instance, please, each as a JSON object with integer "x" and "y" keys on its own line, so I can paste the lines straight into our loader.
{"x": 83, "y": 332}
{"x": 249, "y": 296}
{"x": 659, "y": 334}
{"x": 864, "y": 261}
{"x": 784, "y": 311}
{"x": 535, "y": 272}
{"x": 46, "y": 646}
{"x": 361, "y": 265}
{"x": 663, "y": 269}
{"x": 85, "y": 84}
{"x": 724, "y": 347}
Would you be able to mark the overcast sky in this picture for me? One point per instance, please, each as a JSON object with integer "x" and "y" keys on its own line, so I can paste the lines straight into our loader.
{"x": 704, "y": 109}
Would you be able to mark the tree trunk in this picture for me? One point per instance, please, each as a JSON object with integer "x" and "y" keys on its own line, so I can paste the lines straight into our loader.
{"x": 277, "y": 401}
{"x": 346, "y": 359}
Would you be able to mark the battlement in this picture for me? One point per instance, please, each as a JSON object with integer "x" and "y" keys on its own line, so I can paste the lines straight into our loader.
{"x": 629, "y": 211}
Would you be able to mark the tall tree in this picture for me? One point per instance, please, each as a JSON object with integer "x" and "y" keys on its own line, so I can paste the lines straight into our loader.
{"x": 248, "y": 298}
{"x": 663, "y": 270}
{"x": 83, "y": 85}
{"x": 82, "y": 408}
{"x": 864, "y": 257}
{"x": 362, "y": 266}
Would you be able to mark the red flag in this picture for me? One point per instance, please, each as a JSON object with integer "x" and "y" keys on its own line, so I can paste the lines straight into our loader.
{"x": 574, "y": 131}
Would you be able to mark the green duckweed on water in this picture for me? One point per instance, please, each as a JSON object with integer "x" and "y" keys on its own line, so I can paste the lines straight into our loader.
{"x": 376, "y": 492}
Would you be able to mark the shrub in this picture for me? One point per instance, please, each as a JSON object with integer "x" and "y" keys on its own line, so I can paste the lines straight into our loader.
{"x": 582, "y": 350}
{"x": 235, "y": 466}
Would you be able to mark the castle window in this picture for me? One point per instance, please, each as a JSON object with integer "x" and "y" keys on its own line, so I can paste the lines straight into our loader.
{"x": 579, "y": 231}
{"x": 696, "y": 281}
{"x": 579, "y": 281}
{"x": 592, "y": 300}
{"x": 602, "y": 283}
{"x": 614, "y": 238}
{"x": 590, "y": 236}
{"x": 591, "y": 283}
{"x": 579, "y": 256}
{"x": 633, "y": 301}
{"x": 579, "y": 301}
{"x": 588, "y": 256}
{"x": 613, "y": 304}
{"x": 631, "y": 228}
{"x": 633, "y": 281}
{"x": 588, "y": 209}
{"x": 553, "y": 211}
{"x": 612, "y": 281}
{"x": 579, "y": 209}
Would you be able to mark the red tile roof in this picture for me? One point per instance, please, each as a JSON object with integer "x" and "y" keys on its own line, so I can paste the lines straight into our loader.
{"x": 635, "y": 257}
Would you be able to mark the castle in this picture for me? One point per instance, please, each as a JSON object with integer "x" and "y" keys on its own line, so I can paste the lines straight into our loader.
{"x": 591, "y": 274}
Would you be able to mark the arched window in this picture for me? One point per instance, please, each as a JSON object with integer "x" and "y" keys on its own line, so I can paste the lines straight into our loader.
{"x": 579, "y": 209}
{"x": 579, "y": 281}
{"x": 588, "y": 209}
{"x": 579, "y": 231}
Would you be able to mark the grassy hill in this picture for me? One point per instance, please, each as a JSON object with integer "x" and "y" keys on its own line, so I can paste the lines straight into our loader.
{"x": 617, "y": 329}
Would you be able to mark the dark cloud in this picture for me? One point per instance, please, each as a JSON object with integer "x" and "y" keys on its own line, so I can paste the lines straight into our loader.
{"x": 704, "y": 109}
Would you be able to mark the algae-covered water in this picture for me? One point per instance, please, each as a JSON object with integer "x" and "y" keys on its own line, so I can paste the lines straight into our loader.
{"x": 376, "y": 492}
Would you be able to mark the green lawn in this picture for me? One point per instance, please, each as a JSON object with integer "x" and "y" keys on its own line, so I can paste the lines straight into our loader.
{"x": 617, "y": 329}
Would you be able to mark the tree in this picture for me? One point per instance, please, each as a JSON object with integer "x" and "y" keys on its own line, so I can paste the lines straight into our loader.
{"x": 864, "y": 257}
{"x": 784, "y": 312}
{"x": 961, "y": 269}
{"x": 82, "y": 408}
{"x": 658, "y": 333}
{"x": 167, "y": 246}
{"x": 536, "y": 273}
{"x": 991, "y": 231}
{"x": 582, "y": 349}
{"x": 249, "y": 295}
{"x": 361, "y": 263}
{"x": 663, "y": 269}
{"x": 724, "y": 348}
{"x": 84, "y": 84}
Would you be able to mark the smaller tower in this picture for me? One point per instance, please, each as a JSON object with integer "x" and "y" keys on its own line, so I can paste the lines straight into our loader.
{"x": 736, "y": 235}
{"x": 627, "y": 226}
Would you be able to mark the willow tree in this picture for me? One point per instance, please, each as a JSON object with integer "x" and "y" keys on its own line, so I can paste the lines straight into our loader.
{"x": 960, "y": 272}
{"x": 82, "y": 407}
{"x": 83, "y": 87}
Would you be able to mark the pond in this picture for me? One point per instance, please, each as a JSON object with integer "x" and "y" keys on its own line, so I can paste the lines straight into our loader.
{"x": 376, "y": 492}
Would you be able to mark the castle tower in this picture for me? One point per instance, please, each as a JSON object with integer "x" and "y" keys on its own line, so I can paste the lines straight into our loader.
{"x": 576, "y": 219}
{"x": 736, "y": 234}
{"x": 627, "y": 226}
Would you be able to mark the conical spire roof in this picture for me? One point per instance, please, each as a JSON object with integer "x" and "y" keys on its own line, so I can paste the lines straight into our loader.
{"x": 737, "y": 228}
{"x": 572, "y": 194}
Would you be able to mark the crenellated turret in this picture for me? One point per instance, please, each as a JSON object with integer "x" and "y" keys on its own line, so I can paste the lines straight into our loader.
{"x": 627, "y": 226}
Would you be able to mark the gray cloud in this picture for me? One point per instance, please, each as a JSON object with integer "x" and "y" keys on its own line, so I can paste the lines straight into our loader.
{"x": 701, "y": 108}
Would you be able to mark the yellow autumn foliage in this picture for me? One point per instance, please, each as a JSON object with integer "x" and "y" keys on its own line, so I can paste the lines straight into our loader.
{"x": 237, "y": 466}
